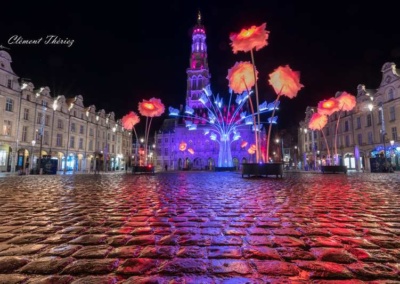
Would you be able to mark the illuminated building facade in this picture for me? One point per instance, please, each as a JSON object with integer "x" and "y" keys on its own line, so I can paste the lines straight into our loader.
{"x": 368, "y": 131}
{"x": 36, "y": 125}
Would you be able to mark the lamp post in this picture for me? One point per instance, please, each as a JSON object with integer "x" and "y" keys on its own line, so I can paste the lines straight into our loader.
{"x": 96, "y": 156}
{"x": 55, "y": 105}
{"x": 141, "y": 162}
{"x": 68, "y": 131}
{"x": 33, "y": 145}
{"x": 281, "y": 148}
{"x": 383, "y": 132}
{"x": 295, "y": 157}
{"x": 115, "y": 157}
{"x": 106, "y": 148}
{"x": 87, "y": 126}
{"x": 40, "y": 150}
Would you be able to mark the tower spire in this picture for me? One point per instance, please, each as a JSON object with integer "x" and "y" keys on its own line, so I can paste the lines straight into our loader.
{"x": 199, "y": 17}
{"x": 198, "y": 74}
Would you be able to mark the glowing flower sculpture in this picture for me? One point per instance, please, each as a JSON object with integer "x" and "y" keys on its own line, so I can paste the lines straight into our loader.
{"x": 241, "y": 77}
{"x": 219, "y": 126}
{"x": 128, "y": 122}
{"x": 328, "y": 107}
{"x": 342, "y": 102}
{"x": 318, "y": 122}
{"x": 285, "y": 82}
{"x": 249, "y": 39}
{"x": 256, "y": 37}
{"x": 182, "y": 146}
{"x": 346, "y": 103}
{"x": 150, "y": 108}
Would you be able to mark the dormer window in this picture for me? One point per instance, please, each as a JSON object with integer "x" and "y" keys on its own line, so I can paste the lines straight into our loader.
{"x": 2, "y": 64}
{"x": 9, "y": 83}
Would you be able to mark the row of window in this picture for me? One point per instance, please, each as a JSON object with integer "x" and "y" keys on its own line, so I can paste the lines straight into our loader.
{"x": 360, "y": 140}
{"x": 10, "y": 107}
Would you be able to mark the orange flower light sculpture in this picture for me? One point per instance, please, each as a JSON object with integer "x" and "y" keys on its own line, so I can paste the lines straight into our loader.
{"x": 318, "y": 122}
{"x": 249, "y": 39}
{"x": 150, "y": 108}
{"x": 182, "y": 146}
{"x": 285, "y": 82}
{"x": 346, "y": 101}
{"x": 191, "y": 151}
{"x": 241, "y": 77}
{"x": 252, "y": 149}
{"x": 328, "y": 107}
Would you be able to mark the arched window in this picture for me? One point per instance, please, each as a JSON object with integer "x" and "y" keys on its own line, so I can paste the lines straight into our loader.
{"x": 199, "y": 82}
{"x": 391, "y": 94}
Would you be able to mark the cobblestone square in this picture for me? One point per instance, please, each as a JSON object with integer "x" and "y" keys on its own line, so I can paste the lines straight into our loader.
{"x": 200, "y": 227}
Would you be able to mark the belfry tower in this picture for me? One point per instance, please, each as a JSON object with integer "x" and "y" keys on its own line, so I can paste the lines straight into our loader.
{"x": 198, "y": 75}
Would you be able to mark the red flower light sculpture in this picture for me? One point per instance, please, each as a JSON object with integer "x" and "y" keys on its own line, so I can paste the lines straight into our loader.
{"x": 150, "y": 108}
{"x": 328, "y": 107}
{"x": 130, "y": 120}
{"x": 254, "y": 37}
{"x": 241, "y": 77}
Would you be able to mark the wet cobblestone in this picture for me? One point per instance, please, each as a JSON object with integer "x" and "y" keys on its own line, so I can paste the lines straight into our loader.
{"x": 200, "y": 227}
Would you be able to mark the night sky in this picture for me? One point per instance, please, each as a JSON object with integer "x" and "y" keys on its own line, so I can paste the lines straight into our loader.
{"x": 121, "y": 55}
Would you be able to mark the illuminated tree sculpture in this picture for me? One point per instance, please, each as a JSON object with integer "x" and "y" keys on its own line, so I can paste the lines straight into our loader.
{"x": 222, "y": 128}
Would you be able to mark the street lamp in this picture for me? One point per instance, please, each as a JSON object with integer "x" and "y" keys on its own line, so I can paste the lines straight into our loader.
{"x": 40, "y": 132}
{"x": 55, "y": 106}
{"x": 382, "y": 131}
{"x": 68, "y": 130}
{"x": 33, "y": 145}
{"x": 86, "y": 135}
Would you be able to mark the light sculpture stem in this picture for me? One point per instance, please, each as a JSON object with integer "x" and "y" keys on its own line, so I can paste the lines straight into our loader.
{"x": 254, "y": 119}
{"x": 326, "y": 143}
{"x": 146, "y": 138}
{"x": 270, "y": 124}
{"x": 257, "y": 134}
{"x": 336, "y": 158}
